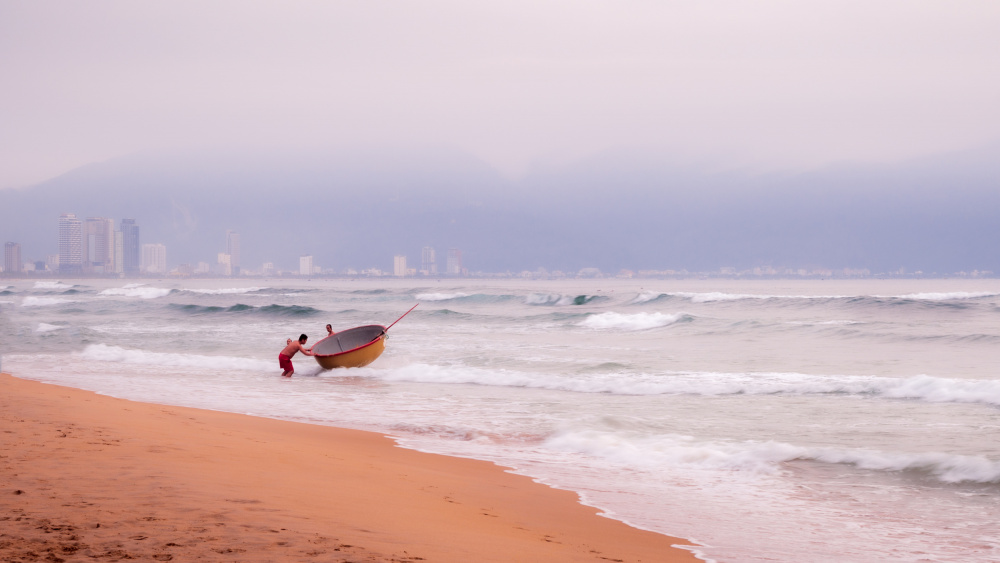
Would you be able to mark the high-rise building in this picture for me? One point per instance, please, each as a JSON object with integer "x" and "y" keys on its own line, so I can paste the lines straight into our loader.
{"x": 154, "y": 258}
{"x": 233, "y": 250}
{"x": 131, "y": 260}
{"x": 305, "y": 265}
{"x": 52, "y": 262}
{"x": 399, "y": 265}
{"x": 118, "y": 264}
{"x": 225, "y": 261}
{"x": 268, "y": 269}
{"x": 427, "y": 263}
{"x": 454, "y": 262}
{"x": 70, "y": 244}
{"x": 98, "y": 245}
{"x": 12, "y": 257}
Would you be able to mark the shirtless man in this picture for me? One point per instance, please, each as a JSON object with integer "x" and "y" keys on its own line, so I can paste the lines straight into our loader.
{"x": 329, "y": 330}
{"x": 285, "y": 357}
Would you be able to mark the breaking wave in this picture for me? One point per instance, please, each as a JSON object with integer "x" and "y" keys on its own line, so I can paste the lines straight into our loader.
{"x": 272, "y": 310}
{"x": 560, "y": 299}
{"x": 45, "y": 327}
{"x": 635, "y": 321}
{"x": 439, "y": 296}
{"x": 942, "y": 296}
{"x": 765, "y": 457}
{"x": 616, "y": 382}
{"x": 226, "y": 291}
{"x": 138, "y": 290}
{"x": 463, "y": 297}
{"x": 105, "y": 353}
{"x": 51, "y": 285}
{"x": 710, "y": 297}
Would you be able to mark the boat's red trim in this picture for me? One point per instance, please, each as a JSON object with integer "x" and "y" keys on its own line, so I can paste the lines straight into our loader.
{"x": 347, "y": 351}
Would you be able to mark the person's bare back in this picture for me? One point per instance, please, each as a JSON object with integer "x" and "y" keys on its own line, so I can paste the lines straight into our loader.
{"x": 292, "y": 348}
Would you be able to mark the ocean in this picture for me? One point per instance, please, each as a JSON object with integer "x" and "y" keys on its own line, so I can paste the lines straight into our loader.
{"x": 766, "y": 420}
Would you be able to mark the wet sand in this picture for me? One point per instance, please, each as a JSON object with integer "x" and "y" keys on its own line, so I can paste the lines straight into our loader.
{"x": 86, "y": 477}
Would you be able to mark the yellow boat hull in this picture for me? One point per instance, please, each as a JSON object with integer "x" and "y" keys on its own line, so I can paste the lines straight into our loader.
{"x": 359, "y": 357}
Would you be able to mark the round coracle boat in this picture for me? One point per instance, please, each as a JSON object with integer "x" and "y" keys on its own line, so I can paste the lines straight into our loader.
{"x": 352, "y": 348}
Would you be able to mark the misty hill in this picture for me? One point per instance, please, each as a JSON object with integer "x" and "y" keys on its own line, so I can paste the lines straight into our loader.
{"x": 611, "y": 211}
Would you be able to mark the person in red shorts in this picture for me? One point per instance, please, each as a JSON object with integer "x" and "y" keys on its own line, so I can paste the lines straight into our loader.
{"x": 285, "y": 357}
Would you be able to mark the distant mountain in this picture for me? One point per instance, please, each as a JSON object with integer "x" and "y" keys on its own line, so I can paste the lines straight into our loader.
{"x": 611, "y": 211}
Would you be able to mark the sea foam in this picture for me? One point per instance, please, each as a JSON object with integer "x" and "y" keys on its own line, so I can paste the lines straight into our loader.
{"x": 44, "y": 301}
{"x": 137, "y": 290}
{"x": 765, "y": 457}
{"x": 106, "y": 353}
{"x": 954, "y": 295}
{"x": 635, "y": 321}
{"x": 709, "y": 297}
{"x": 919, "y": 387}
{"x": 51, "y": 285}
{"x": 226, "y": 291}
{"x": 45, "y": 327}
{"x": 439, "y": 296}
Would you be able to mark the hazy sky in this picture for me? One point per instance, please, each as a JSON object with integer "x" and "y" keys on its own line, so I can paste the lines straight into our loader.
{"x": 768, "y": 83}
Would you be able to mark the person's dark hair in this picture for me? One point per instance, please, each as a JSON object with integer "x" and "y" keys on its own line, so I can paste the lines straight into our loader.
{"x": 303, "y": 338}
{"x": 329, "y": 326}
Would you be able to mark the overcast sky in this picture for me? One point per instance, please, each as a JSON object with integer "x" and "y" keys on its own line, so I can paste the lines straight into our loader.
{"x": 767, "y": 83}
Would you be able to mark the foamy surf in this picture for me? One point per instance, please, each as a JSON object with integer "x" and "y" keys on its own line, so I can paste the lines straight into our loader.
{"x": 949, "y": 296}
{"x": 920, "y": 387}
{"x": 634, "y": 321}
{"x": 45, "y": 327}
{"x": 106, "y": 353}
{"x": 137, "y": 290}
{"x": 439, "y": 296}
{"x": 710, "y": 297}
{"x": 226, "y": 291}
{"x": 44, "y": 301}
{"x": 765, "y": 457}
{"x": 51, "y": 285}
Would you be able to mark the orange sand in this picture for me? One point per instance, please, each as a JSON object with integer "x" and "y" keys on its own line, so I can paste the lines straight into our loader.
{"x": 86, "y": 477}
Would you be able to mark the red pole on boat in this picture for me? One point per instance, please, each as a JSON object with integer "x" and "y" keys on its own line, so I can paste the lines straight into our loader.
{"x": 401, "y": 318}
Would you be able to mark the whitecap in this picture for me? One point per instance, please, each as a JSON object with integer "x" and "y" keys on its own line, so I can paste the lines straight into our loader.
{"x": 717, "y": 296}
{"x": 439, "y": 296}
{"x": 137, "y": 290}
{"x": 634, "y": 321}
{"x": 648, "y": 296}
{"x": 51, "y": 285}
{"x": 45, "y": 327}
{"x": 949, "y": 296}
{"x": 820, "y": 323}
{"x": 226, "y": 291}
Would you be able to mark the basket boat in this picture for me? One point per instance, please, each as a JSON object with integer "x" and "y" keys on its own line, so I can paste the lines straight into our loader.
{"x": 352, "y": 348}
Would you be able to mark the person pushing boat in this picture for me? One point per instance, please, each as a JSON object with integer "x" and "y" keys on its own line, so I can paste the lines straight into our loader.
{"x": 285, "y": 357}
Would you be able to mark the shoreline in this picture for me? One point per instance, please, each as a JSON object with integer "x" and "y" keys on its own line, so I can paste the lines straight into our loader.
{"x": 90, "y": 476}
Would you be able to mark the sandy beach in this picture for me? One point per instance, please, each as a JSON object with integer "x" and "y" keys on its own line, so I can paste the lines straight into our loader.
{"x": 89, "y": 477}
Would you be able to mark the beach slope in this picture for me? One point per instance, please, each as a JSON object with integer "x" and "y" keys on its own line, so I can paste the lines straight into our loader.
{"x": 85, "y": 477}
